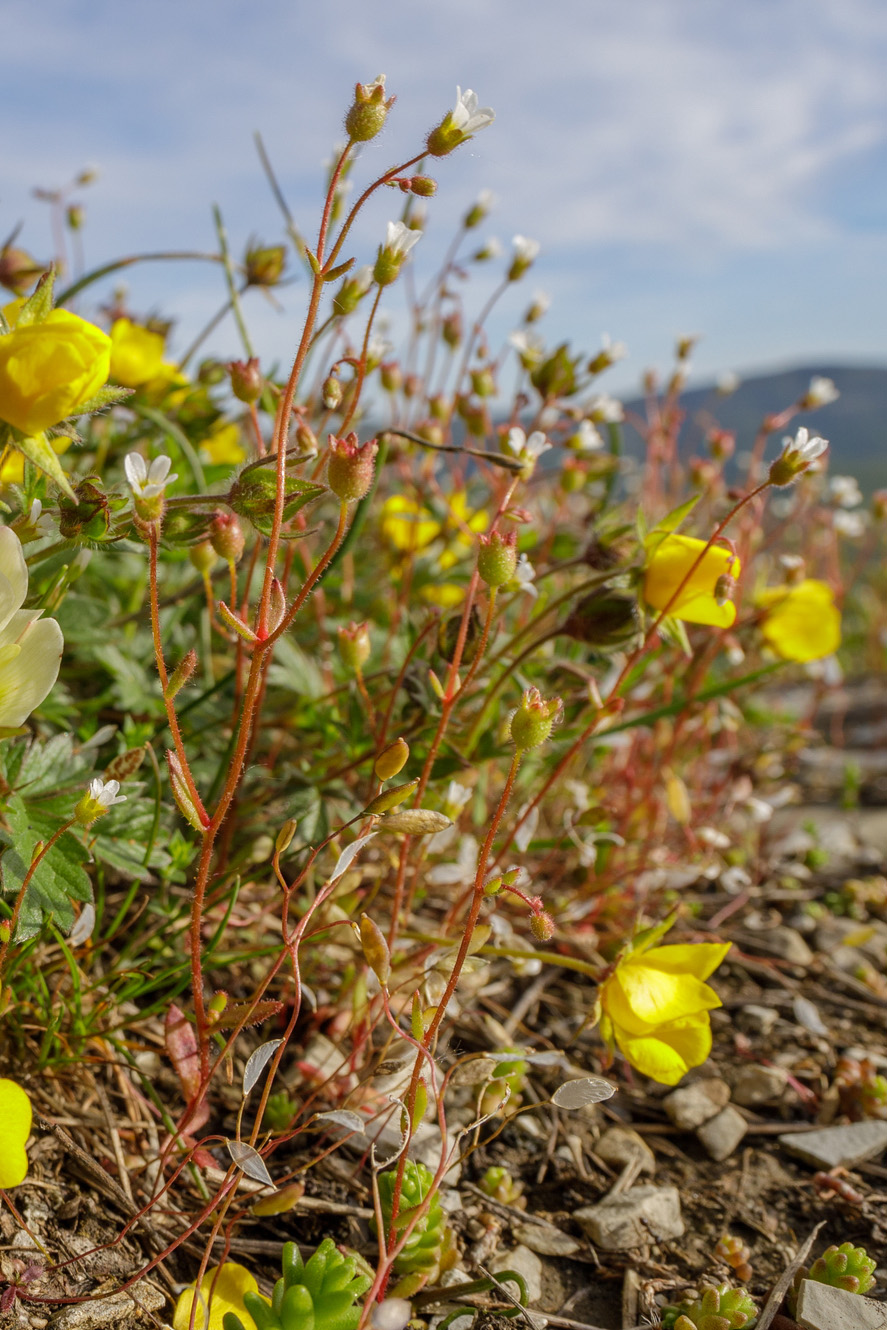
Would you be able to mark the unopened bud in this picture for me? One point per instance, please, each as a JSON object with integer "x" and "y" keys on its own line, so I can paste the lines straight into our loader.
{"x": 392, "y": 759}
{"x": 305, "y": 438}
{"x": 75, "y": 216}
{"x": 331, "y": 392}
{"x": 414, "y": 822}
{"x": 725, "y": 587}
{"x": 226, "y": 537}
{"x": 542, "y": 926}
{"x": 182, "y": 794}
{"x": 354, "y": 645}
{"x": 179, "y": 677}
{"x": 246, "y": 380}
{"x": 532, "y": 723}
{"x": 264, "y": 264}
{"x": 482, "y": 382}
{"x": 351, "y": 467}
{"x": 879, "y": 505}
{"x": 375, "y": 949}
{"x": 203, "y": 556}
{"x": 721, "y": 444}
{"x": 497, "y": 558}
{"x": 388, "y": 799}
{"x": 424, "y": 186}
{"x": 276, "y": 605}
{"x": 368, "y": 112}
{"x": 285, "y": 835}
{"x": 391, "y": 376}
{"x": 216, "y": 1006}
{"x": 451, "y": 329}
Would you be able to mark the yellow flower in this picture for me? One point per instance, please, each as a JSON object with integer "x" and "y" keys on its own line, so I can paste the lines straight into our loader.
{"x": 445, "y": 594}
{"x": 407, "y": 525}
{"x": 223, "y": 446}
{"x": 233, "y": 1281}
{"x": 670, "y": 563}
{"x": 12, "y": 469}
{"x": 801, "y": 622}
{"x": 49, "y": 369}
{"x": 15, "y": 1128}
{"x": 655, "y": 1007}
{"x": 30, "y": 647}
{"x": 136, "y": 353}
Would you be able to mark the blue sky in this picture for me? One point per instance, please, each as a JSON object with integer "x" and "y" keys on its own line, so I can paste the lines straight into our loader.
{"x": 689, "y": 166}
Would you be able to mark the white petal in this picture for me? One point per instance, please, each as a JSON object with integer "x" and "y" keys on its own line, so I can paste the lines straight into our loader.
{"x": 136, "y": 470}
{"x": 13, "y": 575}
{"x": 25, "y": 681}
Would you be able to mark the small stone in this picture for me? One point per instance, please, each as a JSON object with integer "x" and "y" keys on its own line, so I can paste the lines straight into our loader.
{"x": 620, "y": 1146}
{"x": 544, "y": 1239}
{"x": 694, "y": 1104}
{"x": 838, "y": 1147}
{"x": 111, "y": 1312}
{"x": 758, "y": 1020}
{"x": 821, "y": 1307}
{"x": 759, "y": 1085}
{"x": 784, "y": 942}
{"x": 722, "y": 1133}
{"x": 524, "y": 1262}
{"x": 637, "y": 1216}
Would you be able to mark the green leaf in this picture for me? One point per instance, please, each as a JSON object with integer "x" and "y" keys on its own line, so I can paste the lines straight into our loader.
{"x": 59, "y": 877}
{"x": 38, "y": 451}
{"x": 110, "y": 395}
{"x": 39, "y": 303}
{"x": 668, "y": 524}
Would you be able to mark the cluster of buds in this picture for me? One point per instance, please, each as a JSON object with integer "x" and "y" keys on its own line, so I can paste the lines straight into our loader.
{"x": 797, "y": 455}
{"x": 458, "y": 125}
{"x": 534, "y": 719}
{"x": 351, "y": 467}
{"x": 368, "y": 112}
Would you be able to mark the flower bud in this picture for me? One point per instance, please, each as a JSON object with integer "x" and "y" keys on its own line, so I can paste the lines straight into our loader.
{"x": 478, "y": 210}
{"x": 285, "y": 835}
{"x": 482, "y": 382}
{"x": 354, "y": 645}
{"x": 177, "y": 680}
{"x": 725, "y": 588}
{"x": 216, "y": 1006}
{"x": 497, "y": 558}
{"x": 203, "y": 556}
{"x": 375, "y": 949}
{"x": 74, "y": 216}
{"x": 604, "y": 619}
{"x": 352, "y": 291}
{"x": 264, "y": 264}
{"x": 368, "y": 112}
{"x": 879, "y": 505}
{"x": 532, "y": 723}
{"x": 525, "y": 252}
{"x": 721, "y": 444}
{"x": 451, "y": 329}
{"x": 351, "y": 467}
{"x": 331, "y": 392}
{"x": 438, "y": 407}
{"x": 226, "y": 536}
{"x": 424, "y": 186}
{"x": 276, "y": 605}
{"x": 18, "y": 271}
{"x": 388, "y": 799}
{"x": 87, "y": 516}
{"x": 306, "y": 439}
{"x": 542, "y": 926}
{"x": 246, "y": 380}
{"x": 391, "y": 376}
{"x": 182, "y": 794}
{"x": 414, "y": 822}
{"x": 392, "y": 759}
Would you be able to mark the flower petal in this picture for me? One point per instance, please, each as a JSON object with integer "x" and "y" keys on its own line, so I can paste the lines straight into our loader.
{"x": 227, "y": 1296}
{"x": 670, "y": 1053}
{"x": 699, "y": 958}
{"x": 13, "y": 575}
{"x": 644, "y": 998}
{"x": 25, "y": 681}
{"x": 15, "y": 1128}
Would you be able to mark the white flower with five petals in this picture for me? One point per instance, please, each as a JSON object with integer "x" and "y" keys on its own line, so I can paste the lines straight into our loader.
{"x": 148, "y": 482}
{"x": 467, "y": 116}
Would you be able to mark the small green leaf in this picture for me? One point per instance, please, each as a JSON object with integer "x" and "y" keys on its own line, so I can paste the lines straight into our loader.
{"x": 110, "y": 395}
{"x": 39, "y": 303}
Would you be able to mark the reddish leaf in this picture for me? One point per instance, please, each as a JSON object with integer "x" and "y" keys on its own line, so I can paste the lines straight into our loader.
{"x": 181, "y": 1045}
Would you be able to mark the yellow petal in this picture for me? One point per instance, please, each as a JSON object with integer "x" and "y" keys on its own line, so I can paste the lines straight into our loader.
{"x": 227, "y": 1296}
{"x": 15, "y": 1128}
{"x": 446, "y": 594}
{"x": 406, "y": 525}
{"x": 136, "y": 353}
{"x": 644, "y": 998}
{"x": 223, "y": 446}
{"x": 671, "y": 562}
{"x": 801, "y": 622}
{"x": 699, "y": 958}
{"x": 669, "y": 1054}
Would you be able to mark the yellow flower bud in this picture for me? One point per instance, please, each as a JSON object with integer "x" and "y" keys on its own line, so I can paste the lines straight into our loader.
{"x": 392, "y": 759}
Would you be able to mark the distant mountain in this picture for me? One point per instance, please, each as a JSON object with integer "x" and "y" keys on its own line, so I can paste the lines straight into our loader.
{"x": 855, "y": 425}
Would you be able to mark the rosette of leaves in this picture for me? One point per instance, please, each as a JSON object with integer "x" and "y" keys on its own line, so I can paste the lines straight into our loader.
{"x": 321, "y": 1293}
{"x": 719, "y": 1307}
{"x": 847, "y": 1267}
{"x": 430, "y": 1249}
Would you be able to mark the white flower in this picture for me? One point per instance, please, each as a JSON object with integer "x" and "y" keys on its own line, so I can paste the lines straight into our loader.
{"x": 540, "y": 306}
{"x": 528, "y": 449}
{"x": 803, "y": 449}
{"x": 605, "y": 410}
{"x": 612, "y": 351}
{"x": 400, "y": 238}
{"x": 105, "y": 792}
{"x": 524, "y": 249}
{"x": 711, "y": 836}
{"x": 528, "y": 345}
{"x": 586, "y": 438}
{"x": 524, "y": 577}
{"x": 820, "y": 392}
{"x": 148, "y": 482}
{"x": 851, "y": 525}
{"x": 727, "y": 382}
{"x": 363, "y": 278}
{"x": 845, "y": 491}
{"x": 467, "y": 116}
{"x": 30, "y": 651}
{"x": 490, "y": 249}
